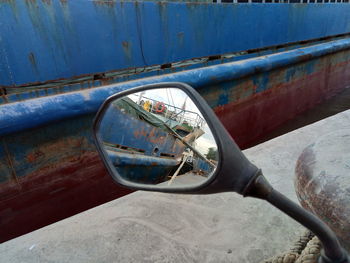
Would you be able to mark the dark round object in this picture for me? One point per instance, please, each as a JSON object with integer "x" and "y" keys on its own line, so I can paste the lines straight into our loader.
{"x": 322, "y": 182}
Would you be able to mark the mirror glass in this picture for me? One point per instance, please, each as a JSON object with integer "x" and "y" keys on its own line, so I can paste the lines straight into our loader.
{"x": 158, "y": 137}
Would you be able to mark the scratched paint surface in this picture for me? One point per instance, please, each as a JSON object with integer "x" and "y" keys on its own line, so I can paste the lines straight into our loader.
{"x": 30, "y": 113}
{"x": 72, "y": 38}
{"x": 56, "y": 159}
{"x": 57, "y": 173}
{"x": 53, "y": 87}
{"x": 257, "y": 104}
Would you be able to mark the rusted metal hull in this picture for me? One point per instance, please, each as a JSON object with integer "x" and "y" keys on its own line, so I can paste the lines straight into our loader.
{"x": 53, "y": 171}
{"x": 49, "y": 168}
{"x": 65, "y": 177}
{"x": 290, "y": 91}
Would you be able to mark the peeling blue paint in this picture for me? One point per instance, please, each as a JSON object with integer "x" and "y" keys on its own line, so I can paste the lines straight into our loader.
{"x": 261, "y": 82}
{"x": 223, "y": 99}
{"x": 310, "y": 67}
{"x": 84, "y": 37}
{"x": 28, "y": 142}
{"x": 31, "y": 113}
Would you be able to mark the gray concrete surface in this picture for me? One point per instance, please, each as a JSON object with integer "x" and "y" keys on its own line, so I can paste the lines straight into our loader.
{"x": 155, "y": 227}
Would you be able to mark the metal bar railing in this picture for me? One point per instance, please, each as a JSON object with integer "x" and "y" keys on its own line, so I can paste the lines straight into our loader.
{"x": 175, "y": 113}
{"x": 282, "y": 1}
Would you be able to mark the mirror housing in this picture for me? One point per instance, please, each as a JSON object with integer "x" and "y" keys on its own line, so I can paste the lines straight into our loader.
{"x": 234, "y": 172}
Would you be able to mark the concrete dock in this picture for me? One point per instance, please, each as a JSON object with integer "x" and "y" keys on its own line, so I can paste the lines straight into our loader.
{"x": 155, "y": 227}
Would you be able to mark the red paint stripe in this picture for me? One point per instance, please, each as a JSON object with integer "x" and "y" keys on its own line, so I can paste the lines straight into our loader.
{"x": 70, "y": 189}
{"x": 251, "y": 119}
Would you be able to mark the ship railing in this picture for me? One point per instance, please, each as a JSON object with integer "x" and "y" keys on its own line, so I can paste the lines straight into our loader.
{"x": 282, "y": 1}
{"x": 171, "y": 112}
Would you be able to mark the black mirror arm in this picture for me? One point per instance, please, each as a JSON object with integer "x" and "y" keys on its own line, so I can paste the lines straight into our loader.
{"x": 332, "y": 250}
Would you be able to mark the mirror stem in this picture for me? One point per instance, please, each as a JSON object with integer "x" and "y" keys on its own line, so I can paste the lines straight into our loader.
{"x": 332, "y": 250}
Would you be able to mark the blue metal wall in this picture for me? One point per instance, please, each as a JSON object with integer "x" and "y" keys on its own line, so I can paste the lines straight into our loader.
{"x": 19, "y": 116}
{"x": 45, "y": 40}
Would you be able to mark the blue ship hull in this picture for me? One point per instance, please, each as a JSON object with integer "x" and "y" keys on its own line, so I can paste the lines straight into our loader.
{"x": 257, "y": 65}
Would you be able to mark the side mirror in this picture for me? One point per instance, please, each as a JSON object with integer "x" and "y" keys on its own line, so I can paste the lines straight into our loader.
{"x": 164, "y": 137}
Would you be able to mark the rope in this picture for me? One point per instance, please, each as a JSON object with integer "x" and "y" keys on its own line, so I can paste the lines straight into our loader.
{"x": 311, "y": 252}
{"x": 305, "y": 250}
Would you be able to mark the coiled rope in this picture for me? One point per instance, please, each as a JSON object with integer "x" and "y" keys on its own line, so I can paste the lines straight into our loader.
{"x": 305, "y": 250}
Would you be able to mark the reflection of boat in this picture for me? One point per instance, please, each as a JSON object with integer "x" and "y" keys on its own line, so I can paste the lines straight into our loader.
{"x": 55, "y": 55}
{"x": 144, "y": 146}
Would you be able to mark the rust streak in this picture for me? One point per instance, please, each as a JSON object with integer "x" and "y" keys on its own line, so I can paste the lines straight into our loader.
{"x": 110, "y": 3}
{"x": 131, "y": 71}
{"x": 10, "y": 164}
{"x": 31, "y": 58}
{"x": 48, "y": 2}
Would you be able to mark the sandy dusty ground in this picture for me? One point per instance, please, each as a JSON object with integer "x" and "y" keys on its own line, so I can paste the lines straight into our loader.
{"x": 154, "y": 227}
